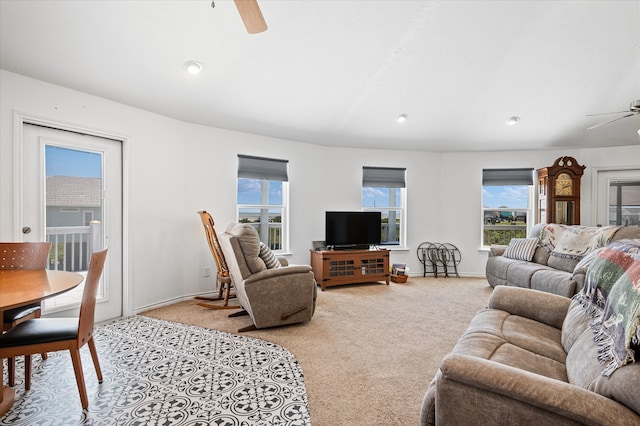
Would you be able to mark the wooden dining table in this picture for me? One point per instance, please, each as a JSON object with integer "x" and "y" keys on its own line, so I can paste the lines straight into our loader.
{"x": 23, "y": 287}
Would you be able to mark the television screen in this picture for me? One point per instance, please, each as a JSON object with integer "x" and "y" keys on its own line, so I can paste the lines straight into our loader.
{"x": 344, "y": 229}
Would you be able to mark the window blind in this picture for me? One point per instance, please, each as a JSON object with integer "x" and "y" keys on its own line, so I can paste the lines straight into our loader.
{"x": 383, "y": 177}
{"x": 499, "y": 177}
{"x": 262, "y": 168}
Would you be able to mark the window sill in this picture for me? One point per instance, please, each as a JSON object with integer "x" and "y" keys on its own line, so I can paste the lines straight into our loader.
{"x": 394, "y": 248}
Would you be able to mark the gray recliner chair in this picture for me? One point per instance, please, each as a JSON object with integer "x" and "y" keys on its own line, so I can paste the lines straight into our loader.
{"x": 270, "y": 296}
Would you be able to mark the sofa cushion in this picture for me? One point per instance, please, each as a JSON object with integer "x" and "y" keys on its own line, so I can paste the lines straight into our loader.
{"x": 521, "y": 248}
{"x": 515, "y": 341}
{"x": 520, "y": 272}
{"x": 562, "y": 263}
{"x": 541, "y": 256}
{"x": 575, "y": 323}
{"x": 249, "y": 244}
{"x": 554, "y": 281}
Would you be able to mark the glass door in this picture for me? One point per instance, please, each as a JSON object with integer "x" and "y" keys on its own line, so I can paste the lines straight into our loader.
{"x": 72, "y": 196}
{"x": 618, "y": 198}
{"x": 624, "y": 203}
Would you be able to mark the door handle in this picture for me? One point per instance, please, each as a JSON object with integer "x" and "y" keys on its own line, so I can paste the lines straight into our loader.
{"x": 26, "y": 230}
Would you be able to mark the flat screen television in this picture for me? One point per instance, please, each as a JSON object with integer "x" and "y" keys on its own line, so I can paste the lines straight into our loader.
{"x": 352, "y": 230}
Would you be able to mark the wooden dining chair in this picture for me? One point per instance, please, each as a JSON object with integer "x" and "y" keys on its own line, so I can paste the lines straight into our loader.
{"x": 27, "y": 256}
{"x": 55, "y": 334}
{"x": 223, "y": 278}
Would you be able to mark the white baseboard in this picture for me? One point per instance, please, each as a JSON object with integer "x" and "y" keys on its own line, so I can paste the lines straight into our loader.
{"x": 171, "y": 301}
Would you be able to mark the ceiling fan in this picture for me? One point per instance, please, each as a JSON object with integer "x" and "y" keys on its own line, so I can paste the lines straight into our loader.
{"x": 634, "y": 109}
{"x": 251, "y": 16}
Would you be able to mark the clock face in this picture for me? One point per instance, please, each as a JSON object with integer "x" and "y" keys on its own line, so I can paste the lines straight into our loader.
{"x": 564, "y": 184}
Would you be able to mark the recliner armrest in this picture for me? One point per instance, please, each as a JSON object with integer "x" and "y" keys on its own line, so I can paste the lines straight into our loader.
{"x": 548, "y": 308}
{"x": 548, "y": 395}
{"x": 278, "y": 272}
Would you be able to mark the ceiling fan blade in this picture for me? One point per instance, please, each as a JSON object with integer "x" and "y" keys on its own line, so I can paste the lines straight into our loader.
{"x": 251, "y": 16}
{"x": 611, "y": 121}
{"x": 607, "y": 113}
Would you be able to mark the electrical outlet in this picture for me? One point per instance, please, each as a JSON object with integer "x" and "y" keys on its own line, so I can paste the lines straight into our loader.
{"x": 206, "y": 271}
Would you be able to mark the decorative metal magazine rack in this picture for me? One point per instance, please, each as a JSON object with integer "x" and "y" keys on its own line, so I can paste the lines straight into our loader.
{"x": 437, "y": 257}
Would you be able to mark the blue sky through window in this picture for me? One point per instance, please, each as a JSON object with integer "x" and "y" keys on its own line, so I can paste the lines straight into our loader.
{"x": 70, "y": 162}
{"x": 510, "y": 196}
{"x": 379, "y": 197}
{"x": 249, "y": 192}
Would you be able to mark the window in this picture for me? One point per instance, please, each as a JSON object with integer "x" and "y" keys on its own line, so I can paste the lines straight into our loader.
{"x": 262, "y": 198}
{"x": 88, "y": 217}
{"x": 506, "y": 204}
{"x": 383, "y": 190}
{"x": 624, "y": 203}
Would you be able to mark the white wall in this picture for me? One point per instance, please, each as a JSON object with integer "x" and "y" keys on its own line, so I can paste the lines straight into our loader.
{"x": 177, "y": 168}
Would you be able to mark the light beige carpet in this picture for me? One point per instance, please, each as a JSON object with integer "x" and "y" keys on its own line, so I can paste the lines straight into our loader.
{"x": 370, "y": 350}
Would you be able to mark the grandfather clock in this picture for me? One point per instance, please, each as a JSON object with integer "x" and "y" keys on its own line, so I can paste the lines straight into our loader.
{"x": 559, "y": 192}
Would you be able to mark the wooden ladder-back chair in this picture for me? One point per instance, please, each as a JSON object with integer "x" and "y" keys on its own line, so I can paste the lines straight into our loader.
{"x": 26, "y": 256}
{"x": 57, "y": 334}
{"x": 222, "y": 277}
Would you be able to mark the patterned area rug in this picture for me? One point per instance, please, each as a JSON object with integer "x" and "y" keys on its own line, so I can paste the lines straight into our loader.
{"x": 163, "y": 373}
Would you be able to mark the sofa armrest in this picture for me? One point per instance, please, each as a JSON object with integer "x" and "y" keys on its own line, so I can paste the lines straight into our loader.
{"x": 548, "y": 308}
{"x": 496, "y": 250}
{"x": 277, "y": 272}
{"x": 541, "y": 395}
{"x": 283, "y": 261}
{"x": 578, "y": 277}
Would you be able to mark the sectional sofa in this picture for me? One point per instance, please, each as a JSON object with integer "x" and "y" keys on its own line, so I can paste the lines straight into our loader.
{"x": 550, "y": 260}
{"x": 535, "y": 358}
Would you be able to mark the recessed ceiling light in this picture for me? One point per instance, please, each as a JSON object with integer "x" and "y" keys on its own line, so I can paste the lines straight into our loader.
{"x": 401, "y": 118}
{"x": 512, "y": 121}
{"x": 193, "y": 67}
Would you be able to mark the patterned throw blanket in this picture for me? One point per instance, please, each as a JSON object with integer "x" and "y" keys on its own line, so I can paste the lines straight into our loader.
{"x": 575, "y": 242}
{"x": 611, "y": 296}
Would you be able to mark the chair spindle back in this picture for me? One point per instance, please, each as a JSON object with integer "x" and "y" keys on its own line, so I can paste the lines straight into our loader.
{"x": 214, "y": 244}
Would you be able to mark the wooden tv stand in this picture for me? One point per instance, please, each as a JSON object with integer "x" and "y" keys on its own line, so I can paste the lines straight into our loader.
{"x": 339, "y": 267}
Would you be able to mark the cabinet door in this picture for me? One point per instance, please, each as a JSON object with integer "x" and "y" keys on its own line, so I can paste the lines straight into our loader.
{"x": 372, "y": 266}
{"x": 339, "y": 267}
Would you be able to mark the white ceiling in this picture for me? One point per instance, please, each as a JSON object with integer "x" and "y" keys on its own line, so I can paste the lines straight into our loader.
{"x": 338, "y": 72}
